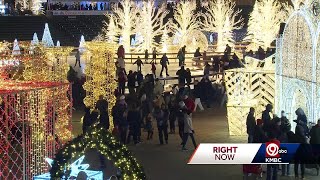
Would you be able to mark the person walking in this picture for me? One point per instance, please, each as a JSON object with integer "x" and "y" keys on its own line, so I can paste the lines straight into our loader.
{"x": 146, "y": 56}
{"x": 162, "y": 115}
{"x": 183, "y": 49}
{"x": 153, "y": 69}
{"x": 172, "y": 116}
{"x": 251, "y": 124}
{"x": 77, "y": 59}
{"x": 139, "y": 63}
{"x": 188, "y": 77}
{"x": 180, "y": 57}
{"x": 164, "y": 62}
{"x": 154, "y": 55}
{"x": 188, "y": 127}
{"x": 197, "y": 91}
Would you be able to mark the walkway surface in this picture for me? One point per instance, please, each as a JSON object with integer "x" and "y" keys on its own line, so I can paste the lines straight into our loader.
{"x": 170, "y": 163}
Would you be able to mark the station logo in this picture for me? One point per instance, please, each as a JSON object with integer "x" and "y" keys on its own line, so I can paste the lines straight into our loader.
{"x": 274, "y": 152}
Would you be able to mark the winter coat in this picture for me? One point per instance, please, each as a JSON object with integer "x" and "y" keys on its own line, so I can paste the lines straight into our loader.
{"x": 131, "y": 80}
{"x": 315, "y": 135}
{"x": 188, "y": 127}
{"x": 259, "y": 135}
{"x": 190, "y": 104}
{"x": 161, "y": 117}
{"x": 188, "y": 77}
{"x": 197, "y": 90}
{"x": 164, "y": 61}
{"x": 134, "y": 120}
{"x": 251, "y": 123}
{"x": 285, "y": 125}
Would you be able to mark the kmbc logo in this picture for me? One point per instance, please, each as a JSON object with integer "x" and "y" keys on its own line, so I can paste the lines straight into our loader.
{"x": 272, "y": 149}
{"x": 273, "y": 152}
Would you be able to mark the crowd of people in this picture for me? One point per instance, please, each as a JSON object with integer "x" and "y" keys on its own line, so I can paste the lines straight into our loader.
{"x": 148, "y": 106}
{"x": 271, "y": 128}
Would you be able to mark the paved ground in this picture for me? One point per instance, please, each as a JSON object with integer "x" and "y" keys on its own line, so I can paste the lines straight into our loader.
{"x": 170, "y": 163}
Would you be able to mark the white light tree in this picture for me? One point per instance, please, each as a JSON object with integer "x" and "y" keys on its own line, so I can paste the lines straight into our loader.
{"x": 58, "y": 43}
{"x": 111, "y": 32}
{"x": 16, "y": 48}
{"x": 36, "y": 7}
{"x": 150, "y": 24}
{"x": 35, "y": 39}
{"x": 165, "y": 40}
{"x": 184, "y": 22}
{"x": 82, "y": 47}
{"x": 264, "y": 22}
{"x": 222, "y": 18}
{"x": 46, "y": 37}
{"x": 125, "y": 21}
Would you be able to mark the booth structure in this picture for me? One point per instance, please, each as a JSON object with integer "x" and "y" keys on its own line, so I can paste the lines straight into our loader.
{"x": 298, "y": 64}
{"x": 252, "y": 86}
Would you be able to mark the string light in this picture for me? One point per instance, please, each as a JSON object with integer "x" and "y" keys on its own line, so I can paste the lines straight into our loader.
{"x": 112, "y": 149}
{"x": 100, "y": 75}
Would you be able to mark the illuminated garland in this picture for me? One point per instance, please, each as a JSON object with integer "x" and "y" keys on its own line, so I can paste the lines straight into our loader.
{"x": 108, "y": 146}
{"x": 100, "y": 75}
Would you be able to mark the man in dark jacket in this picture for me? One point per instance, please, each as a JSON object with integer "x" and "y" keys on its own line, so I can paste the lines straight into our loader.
{"x": 315, "y": 134}
{"x": 181, "y": 73}
{"x": 251, "y": 124}
{"x": 266, "y": 118}
{"x": 259, "y": 135}
{"x": 131, "y": 82}
{"x": 197, "y": 90}
{"x": 164, "y": 62}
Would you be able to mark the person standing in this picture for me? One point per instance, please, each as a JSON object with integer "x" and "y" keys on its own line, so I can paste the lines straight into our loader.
{"x": 162, "y": 116}
{"x": 315, "y": 133}
{"x": 154, "y": 55}
{"x": 251, "y": 124}
{"x": 172, "y": 116}
{"x": 119, "y": 113}
{"x": 272, "y": 169}
{"x": 188, "y": 77}
{"x": 121, "y": 52}
{"x": 122, "y": 79}
{"x": 102, "y": 106}
{"x": 188, "y": 127}
{"x": 164, "y": 62}
{"x": 266, "y": 118}
{"x": 180, "y": 57}
{"x": 131, "y": 82}
{"x": 197, "y": 90}
{"x": 77, "y": 59}
{"x": 139, "y": 63}
{"x": 183, "y": 49}
{"x": 134, "y": 120}
{"x": 181, "y": 73}
{"x": 146, "y": 56}
{"x": 153, "y": 69}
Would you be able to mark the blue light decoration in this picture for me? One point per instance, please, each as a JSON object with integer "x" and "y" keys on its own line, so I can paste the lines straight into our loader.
{"x": 76, "y": 167}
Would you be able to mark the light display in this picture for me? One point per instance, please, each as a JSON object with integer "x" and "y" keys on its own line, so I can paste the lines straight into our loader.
{"x": 16, "y": 48}
{"x": 264, "y": 22}
{"x": 103, "y": 141}
{"x": 125, "y": 21}
{"x": 165, "y": 40}
{"x": 111, "y": 32}
{"x": 222, "y": 18}
{"x": 36, "y": 7}
{"x": 185, "y": 21}
{"x": 35, "y": 39}
{"x": 24, "y": 4}
{"x": 58, "y": 43}
{"x": 150, "y": 24}
{"x": 46, "y": 37}
{"x": 100, "y": 75}
{"x": 297, "y": 65}
{"x": 247, "y": 87}
{"x": 27, "y": 121}
{"x": 82, "y": 43}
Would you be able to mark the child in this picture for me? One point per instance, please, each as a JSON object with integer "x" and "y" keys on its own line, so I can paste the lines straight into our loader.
{"x": 153, "y": 69}
{"x": 149, "y": 127}
{"x": 139, "y": 63}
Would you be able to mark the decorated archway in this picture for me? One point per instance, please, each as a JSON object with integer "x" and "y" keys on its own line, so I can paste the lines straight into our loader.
{"x": 100, "y": 139}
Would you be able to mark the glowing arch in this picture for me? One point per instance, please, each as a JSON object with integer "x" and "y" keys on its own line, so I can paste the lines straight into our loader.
{"x": 108, "y": 146}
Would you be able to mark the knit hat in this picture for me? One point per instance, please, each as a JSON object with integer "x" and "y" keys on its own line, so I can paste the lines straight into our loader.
{"x": 259, "y": 122}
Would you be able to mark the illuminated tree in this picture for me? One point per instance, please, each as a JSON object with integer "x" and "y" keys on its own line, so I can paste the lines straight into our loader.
{"x": 185, "y": 21}
{"x": 36, "y": 7}
{"x": 150, "y": 24}
{"x": 111, "y": 32}
{"x": 125, "y": 21}
{"x": 222, "y": 18}
{"x": 264, "y": 22}
{"x": 82, "y": 43}
{"x": 165, "y": 40}
{"x": 16, "y": 48}
{"x": 46, "y": 38}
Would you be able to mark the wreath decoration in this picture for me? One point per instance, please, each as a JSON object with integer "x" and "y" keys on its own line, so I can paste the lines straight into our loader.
{"x": 101, "y": 139}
